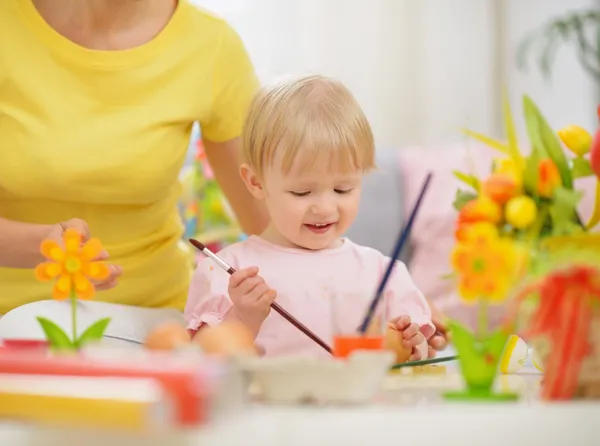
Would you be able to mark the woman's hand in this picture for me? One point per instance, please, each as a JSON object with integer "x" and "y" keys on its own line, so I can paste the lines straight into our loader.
{"x": 82, "y": 228}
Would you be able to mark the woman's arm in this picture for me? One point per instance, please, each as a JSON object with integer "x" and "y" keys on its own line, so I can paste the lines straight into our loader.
{"x": 20, "y": 243}
{"x": 224, "y": 159}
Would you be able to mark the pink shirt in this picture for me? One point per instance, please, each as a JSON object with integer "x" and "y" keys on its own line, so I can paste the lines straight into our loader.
{"x": 304, "y": 282}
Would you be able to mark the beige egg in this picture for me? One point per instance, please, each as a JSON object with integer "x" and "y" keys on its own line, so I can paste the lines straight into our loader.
{"x": 393, "y": 341}
{"x": 226, "y": 339}
{"x": 168, "y": 336}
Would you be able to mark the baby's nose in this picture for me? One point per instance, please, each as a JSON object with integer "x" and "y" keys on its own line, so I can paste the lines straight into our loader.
{"x": 323, "y": 208}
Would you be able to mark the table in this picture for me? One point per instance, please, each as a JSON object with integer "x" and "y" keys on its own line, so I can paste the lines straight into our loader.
{"x": 408, "y": 411}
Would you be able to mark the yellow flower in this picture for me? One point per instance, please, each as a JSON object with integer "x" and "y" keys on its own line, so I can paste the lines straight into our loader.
{"x": 486, "y": 267}
{"x": 476, "y": 231}
{"x": 73, "y": 267}
{"x": 520, "y": 212}
{"x": 577, "y": 139}
{"x": 507, "y": 166}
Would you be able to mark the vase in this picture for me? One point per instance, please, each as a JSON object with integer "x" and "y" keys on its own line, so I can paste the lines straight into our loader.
{"x": 479, "y": 358}
{"x": 570, "y": 359}
{"x": 587, "y": 385}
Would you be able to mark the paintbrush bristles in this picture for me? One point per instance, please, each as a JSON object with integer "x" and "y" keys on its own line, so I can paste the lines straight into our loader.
{"x": 197, "y": 244}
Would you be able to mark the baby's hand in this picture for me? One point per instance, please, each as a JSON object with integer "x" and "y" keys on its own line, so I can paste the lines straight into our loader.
{"x": 411, "y": 335}
{"x": 251, "y": 296}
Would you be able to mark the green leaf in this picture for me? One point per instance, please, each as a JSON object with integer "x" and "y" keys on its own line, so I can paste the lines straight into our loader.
{"x": 94, "y": 332}
{"x": 581, "y": 168}
{"x": 537, "y": 145}
{"x": 531, "y": 172}
{"x": 543, "y": 137}
{"x": 511, "y": 132}
{"x": 54, "y": 334}
{"x": 595, "y": 218}
{"x": 563, "y": 211}
{"x": 488, "y": 141}
{"x": 469, "y": 180}
{"x": 462, "y": 197}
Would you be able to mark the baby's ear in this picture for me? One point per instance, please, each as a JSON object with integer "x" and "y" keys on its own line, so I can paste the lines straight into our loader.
{"x": 252, "y": 181}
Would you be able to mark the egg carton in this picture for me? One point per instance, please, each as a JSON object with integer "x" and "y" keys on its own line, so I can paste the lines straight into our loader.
{"x": 300, "y": 379}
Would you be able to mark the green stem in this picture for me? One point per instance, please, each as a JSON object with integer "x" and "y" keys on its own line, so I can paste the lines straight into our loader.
{"x": 536, "y": 229}
{"x": 74, "y": 316}
{"x": 482, "y": 318}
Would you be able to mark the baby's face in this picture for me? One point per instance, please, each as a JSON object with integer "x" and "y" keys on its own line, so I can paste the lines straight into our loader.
{"x": 311, "y": 208}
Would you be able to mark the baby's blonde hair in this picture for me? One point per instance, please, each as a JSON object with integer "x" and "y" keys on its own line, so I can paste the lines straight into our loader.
{"x": 314, "y": 115}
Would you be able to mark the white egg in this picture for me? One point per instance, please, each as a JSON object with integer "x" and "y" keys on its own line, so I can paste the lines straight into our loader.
{"x": 536, "y": 360}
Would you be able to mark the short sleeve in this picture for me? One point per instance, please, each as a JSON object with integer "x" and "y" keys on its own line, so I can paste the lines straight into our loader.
{"x": 208, "y": 301}
{"x": 234, "y": 85}
{"x": 405, "y": 299}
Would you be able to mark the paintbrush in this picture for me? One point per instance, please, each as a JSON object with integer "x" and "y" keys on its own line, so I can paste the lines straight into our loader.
{"x": 402, "y": 239}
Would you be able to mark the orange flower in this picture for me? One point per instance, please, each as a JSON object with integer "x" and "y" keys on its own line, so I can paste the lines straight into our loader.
{"x": 480, "y": 209}
{"x": 73, "y": 266}
{"x": 501, "y": 187}
{"x": 486, "y": 265}
{"x": 548, "y": 178}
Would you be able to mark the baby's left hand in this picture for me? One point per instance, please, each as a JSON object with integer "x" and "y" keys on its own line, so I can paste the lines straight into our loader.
{"x": 411, "y": 335}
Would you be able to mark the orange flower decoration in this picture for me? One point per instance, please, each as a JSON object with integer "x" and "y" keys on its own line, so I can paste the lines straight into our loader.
{"x": 549, "y": 178}
{"x": 482, "y": 208}
{"x": 501, "y": 187}
{"x": 486, "y": 264}
{"x": 73, "y": 266}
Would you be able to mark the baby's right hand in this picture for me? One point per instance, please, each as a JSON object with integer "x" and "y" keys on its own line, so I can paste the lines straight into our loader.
{"x": 251, "y": 296}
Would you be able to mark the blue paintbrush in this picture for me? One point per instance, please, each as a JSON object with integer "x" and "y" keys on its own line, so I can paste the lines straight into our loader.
{"x": 402, "y": 239}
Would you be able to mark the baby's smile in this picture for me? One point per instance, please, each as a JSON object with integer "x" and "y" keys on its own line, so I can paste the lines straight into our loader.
{"x": 319, "y": 228}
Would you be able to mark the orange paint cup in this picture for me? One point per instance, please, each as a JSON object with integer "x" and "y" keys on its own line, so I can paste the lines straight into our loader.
{"x": 344, "y": 345}
{"x": 347, "y": 316}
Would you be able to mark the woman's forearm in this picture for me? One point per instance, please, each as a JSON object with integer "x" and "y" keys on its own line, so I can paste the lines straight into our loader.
{"x": 224, "y": 158}
{"x": 20, "y": 243}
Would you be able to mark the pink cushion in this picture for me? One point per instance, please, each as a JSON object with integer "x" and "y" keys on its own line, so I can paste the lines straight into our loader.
{"x": 433, "y": 233}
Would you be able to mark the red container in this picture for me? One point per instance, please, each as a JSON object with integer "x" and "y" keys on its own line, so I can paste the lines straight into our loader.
{"x": 24, "y": 344}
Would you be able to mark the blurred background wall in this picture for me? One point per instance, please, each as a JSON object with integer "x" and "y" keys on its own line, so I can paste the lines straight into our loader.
{"x": 421, "y": 68}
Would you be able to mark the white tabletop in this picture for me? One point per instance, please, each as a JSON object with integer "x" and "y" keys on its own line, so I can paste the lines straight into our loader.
{"x": 409, "y": 410}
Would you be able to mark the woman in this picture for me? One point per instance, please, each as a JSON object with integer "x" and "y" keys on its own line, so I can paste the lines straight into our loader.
{"x": 97, "y": 100}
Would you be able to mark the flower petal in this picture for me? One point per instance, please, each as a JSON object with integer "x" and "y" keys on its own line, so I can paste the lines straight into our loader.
{"x": 83, "y": 287}
{"x": 72, "y": 240}
{"x": 52, "y": 251}
{"x": 62, "y": 287}
{"x": 467, "y": 289}
{"x": 92, "y": 249}
{"x": 460, "y": 258}
{"x": 47, "y": 271}
{"x": 96, "y": 270}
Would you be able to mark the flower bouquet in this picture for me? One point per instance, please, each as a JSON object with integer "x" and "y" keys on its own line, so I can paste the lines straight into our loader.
{"x": 72, "y": 267}
{"x": 515, "y": 221}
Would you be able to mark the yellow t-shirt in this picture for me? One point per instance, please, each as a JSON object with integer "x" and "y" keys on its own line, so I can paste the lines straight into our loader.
{"x": 102, "y": 136}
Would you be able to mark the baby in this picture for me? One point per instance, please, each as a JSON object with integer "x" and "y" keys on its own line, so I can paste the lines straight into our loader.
{"x": 307, "y": 145}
